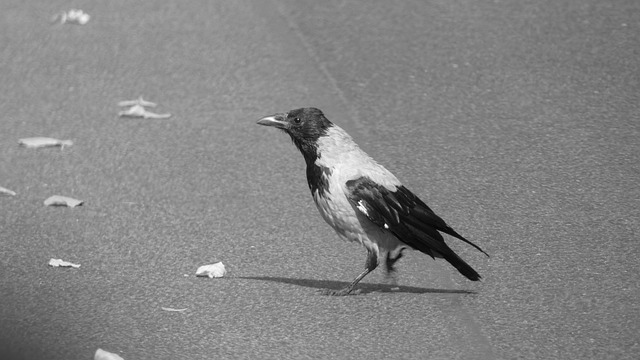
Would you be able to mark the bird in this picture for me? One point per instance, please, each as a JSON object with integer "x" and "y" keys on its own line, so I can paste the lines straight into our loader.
{"x": 362, "y": 200}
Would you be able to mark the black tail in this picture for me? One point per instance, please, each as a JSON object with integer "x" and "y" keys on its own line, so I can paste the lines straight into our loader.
{"x": 462, "y": 266}
{"x": 431, "y": 242}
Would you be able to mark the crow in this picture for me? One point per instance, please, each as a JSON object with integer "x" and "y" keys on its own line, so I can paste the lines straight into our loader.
{"x": 363, "y": 201}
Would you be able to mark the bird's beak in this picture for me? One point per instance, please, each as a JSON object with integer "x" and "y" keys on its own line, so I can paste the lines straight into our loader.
{"x": 277, "y": 120}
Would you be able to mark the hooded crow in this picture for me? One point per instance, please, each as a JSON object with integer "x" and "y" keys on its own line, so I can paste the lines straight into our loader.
{"x": 363, "y": 201}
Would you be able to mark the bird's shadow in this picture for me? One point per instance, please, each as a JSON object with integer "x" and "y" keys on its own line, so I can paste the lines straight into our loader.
{"x": 362, "y": 288}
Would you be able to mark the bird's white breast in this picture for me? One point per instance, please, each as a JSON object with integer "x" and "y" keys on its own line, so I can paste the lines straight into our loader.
{"x": 337, "y": 211}
{"x": 347, "y": 161}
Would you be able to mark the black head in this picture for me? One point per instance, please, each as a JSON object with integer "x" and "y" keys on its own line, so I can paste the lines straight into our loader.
{"x": 305, "y": 126}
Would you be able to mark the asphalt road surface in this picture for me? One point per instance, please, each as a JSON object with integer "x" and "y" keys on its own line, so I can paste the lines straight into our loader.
{"x": 517, "y": 121}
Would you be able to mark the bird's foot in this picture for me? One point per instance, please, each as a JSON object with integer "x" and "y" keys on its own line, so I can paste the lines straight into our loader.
{"x": 341, "y": 292}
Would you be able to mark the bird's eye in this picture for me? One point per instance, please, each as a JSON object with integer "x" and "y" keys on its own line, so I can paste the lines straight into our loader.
{"x": 296, "y": 120}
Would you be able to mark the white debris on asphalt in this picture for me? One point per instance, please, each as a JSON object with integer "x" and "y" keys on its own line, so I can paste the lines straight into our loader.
{"x": 58, "y": 200}
{"x": 216, "y": 270}
{"x": 73, "y": 16}
{"x": 138, "y": 111}
{"x": 62, "y": 263}
{"x": 139, "y": 101}
{"x": 7, "y": 191}
{"x": 40, "y": 141}
{"x": 173, "y": 310}
{"x": 105, "y": 355}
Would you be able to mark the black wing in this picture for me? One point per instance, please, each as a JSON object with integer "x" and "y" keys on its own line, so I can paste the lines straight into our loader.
{"x": 409, "y": 219}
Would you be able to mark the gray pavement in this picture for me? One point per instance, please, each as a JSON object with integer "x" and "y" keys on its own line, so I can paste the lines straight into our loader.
{"x": 517, "y": 121}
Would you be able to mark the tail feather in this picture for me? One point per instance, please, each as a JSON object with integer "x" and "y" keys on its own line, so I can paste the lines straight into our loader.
{"x": 432, "y": 244}
{"x": 464, "y": 268}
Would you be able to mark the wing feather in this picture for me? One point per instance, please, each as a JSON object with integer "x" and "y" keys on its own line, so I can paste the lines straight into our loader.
{"x": 402, "y": 213}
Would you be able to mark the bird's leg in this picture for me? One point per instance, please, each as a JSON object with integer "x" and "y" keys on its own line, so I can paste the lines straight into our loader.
{"x": 391, "y": 270}
{"x": 392, "y": 261}
{"x": 370, "y": 265}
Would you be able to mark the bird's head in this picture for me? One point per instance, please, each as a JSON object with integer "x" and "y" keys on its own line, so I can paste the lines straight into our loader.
{"x": 305, "y": 126}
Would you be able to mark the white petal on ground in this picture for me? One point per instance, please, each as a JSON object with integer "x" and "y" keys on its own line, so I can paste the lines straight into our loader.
{"x": 73, "y": 16}
{"x": 105, "y": 355}
{"x": 7, "y": 191}
{"x": 213, "y": 270}
{"x": 139, "y": 101}
{"x": 172, "y": 309}
{"x": 83, "y": 19}
{"x": 138, "y": 111}
{"x": 58, "y": 200}
{"x": 134, "y": 111}
{"x": 40, "y": 141}
{"x": 62, "y": 263}
{"x": 152, "y": 115}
